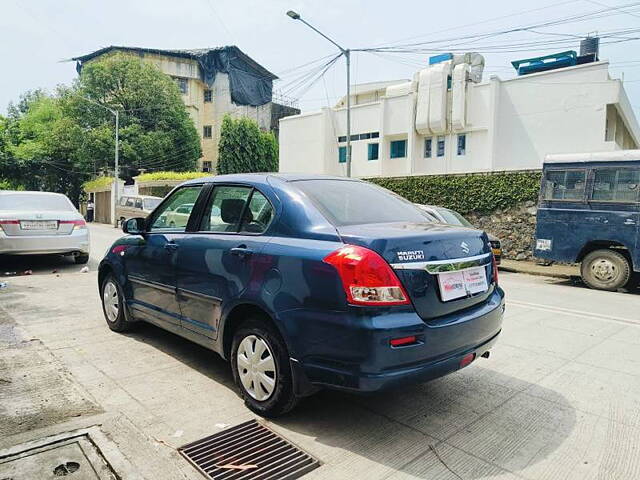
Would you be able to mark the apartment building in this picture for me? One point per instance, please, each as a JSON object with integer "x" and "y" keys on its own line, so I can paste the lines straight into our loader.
{"x": 213, "y": 82}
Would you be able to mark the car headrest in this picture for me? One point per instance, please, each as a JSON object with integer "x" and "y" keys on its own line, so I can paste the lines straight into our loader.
{"x": 231, "y": 209}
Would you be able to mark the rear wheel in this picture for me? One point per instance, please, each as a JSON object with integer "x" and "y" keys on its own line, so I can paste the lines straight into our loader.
{"x": 113, "y": 305}
{"x": 261, "y": 370}
{"x": 605, "y": 270}
{"x": 81, "y": 259}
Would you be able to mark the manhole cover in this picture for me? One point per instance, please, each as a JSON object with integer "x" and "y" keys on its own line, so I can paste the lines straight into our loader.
{"x": 248, "y": 451}
{"x": 75, "y": 458}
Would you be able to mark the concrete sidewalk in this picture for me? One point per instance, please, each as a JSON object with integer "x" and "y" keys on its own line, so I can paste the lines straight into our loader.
{"x": 532, "y": 268}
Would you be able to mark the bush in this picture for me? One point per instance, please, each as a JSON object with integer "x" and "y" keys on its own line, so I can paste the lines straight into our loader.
{"x": 481, "y": 193}
{"x": 97, "y": 183}
{"x": 243, "y": 148}
{"x": 182, "y": 176}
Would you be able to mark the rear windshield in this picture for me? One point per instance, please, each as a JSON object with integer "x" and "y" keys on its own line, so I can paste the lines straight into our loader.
{"x": 452, "y": 217}
{"x": 35, "y": 203}
{"x": 346, "y": 202}
{"x": 151, "y": 203}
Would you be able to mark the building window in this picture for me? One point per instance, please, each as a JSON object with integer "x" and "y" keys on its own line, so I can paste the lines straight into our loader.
{"x": 342, "y": 154}
{"x": 183, "y": 85}
{"x": 208, "y": 95}
{"x": 206, "y": 131}
{"x": 355, "y": 137}
{"x": 372, "y": 151}
{"x": 462, "y": 145}
{"x": 398, "y": 149}
{"x": 375, "y": 134}
{"x": 342, "y": 139}
{"x": 428, "y": 144}
{"x": 440, "y": 152}
{"x": 206, "y": 167}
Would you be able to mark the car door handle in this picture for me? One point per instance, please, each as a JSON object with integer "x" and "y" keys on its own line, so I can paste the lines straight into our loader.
{"x": 171, "y": 247}
{"x": 241, "y": 251}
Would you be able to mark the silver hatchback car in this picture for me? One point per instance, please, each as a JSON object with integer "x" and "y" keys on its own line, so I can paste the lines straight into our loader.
{"x": 42, "y": 223}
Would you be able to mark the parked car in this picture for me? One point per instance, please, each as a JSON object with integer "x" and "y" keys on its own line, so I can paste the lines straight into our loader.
{"x": 451, "y": 217}
{"x": 42, "y": 223}
{"x": 589, "y": 212}
{"x": 131, "y": 206}
{"x": 306, "y": 282}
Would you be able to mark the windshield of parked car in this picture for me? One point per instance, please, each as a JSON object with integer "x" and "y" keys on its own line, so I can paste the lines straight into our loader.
{"x": 151, "y": 203}
{"x": 346, "y": 202}
{"x": 453, "y": 218}
{"x": 40, "y": 202}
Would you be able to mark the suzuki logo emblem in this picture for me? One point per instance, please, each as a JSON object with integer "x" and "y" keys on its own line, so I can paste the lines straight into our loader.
{"x": 465, "y": 247}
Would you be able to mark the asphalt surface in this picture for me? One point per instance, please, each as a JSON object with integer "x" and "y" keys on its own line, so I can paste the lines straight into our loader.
{"x": 559, "y": 398}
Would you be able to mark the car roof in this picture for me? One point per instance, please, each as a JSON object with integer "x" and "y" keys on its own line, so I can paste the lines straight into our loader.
{"x": 263, "y": 177}
{"x": 30, "y": 192}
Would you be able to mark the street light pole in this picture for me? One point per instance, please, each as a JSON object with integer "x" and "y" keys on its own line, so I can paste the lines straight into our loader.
{"x": 116, "y": 169}
{"x": 347, "y": 55}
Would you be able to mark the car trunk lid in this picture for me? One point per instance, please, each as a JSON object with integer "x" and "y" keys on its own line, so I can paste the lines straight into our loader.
{"x": 420, "y": 253}
{"x": 26, "y": 223}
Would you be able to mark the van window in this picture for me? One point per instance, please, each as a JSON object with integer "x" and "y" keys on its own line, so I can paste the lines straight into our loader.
{"x": 130, "y": 202}
{"x": 565, "y": 184}
{"x": 616, "y": 185}
{"x": 139, "y": 203}
{"x": 123, "y": 201}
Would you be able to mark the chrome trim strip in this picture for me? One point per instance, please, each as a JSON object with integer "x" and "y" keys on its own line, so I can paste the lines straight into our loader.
{"x": 147, "y": 283}
{"x": 439, "y": 266}
{"x": 199, "y": 296}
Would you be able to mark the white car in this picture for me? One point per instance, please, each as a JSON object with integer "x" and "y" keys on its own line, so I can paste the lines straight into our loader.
{"x": 41, "y": 223}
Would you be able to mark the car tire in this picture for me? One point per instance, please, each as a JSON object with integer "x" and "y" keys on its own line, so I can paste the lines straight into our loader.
{"x": 81, "y": 259}
{"x": 605, "y": 270}
{"x": 258, "y": 396}
{"x": 111, "y": 296}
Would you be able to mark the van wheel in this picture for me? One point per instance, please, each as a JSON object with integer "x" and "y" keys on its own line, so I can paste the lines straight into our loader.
{"x": 605, "y": 270}
{"x": 81, "y": 259}
{"x": 261, "y": 370}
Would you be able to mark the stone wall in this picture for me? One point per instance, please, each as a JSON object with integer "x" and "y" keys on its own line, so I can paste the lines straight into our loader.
{"x": 514, "y": 226}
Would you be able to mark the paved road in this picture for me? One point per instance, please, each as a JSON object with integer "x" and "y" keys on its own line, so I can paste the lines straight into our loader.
{"x": 558, "y": 399}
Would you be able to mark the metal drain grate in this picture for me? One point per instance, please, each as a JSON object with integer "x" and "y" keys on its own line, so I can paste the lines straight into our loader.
{"x": 249, "y": 451}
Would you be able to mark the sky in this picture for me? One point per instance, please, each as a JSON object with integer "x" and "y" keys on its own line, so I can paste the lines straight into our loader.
{"x": 37, "y": 36}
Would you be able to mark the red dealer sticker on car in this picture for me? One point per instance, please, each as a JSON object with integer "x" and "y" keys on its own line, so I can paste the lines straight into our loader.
{"x": 460, "y": 284}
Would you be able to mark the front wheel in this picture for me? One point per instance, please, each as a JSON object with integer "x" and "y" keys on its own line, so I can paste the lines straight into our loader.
{"x": 81, "y": 259}
{"x": 605, "y": 270}
{"x": 261, "y": 370}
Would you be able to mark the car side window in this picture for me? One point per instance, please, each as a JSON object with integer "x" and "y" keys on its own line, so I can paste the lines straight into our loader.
{"x": 224, "y": 208}
{"x": 258, "y": 214}
{"x": 130, "y": 202}
{"x": 565, "y": 184}
{"x": 616, "y": 185}
{"x": 139, "y": 203}
{"x": 123, "y": 201}
{"x": 169, "y": 216}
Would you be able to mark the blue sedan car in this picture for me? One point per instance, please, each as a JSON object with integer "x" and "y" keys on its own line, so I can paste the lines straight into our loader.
{"x": 306, "y": 282}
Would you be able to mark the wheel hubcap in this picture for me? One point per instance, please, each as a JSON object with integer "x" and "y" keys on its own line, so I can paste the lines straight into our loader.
{"x": 256, "y": 367}
{"x": 604, "y": 270}
{"x": 110, "y": 301}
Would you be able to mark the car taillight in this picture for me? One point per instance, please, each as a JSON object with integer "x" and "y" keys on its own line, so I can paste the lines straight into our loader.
{"x": 494, "y": 267}
{"x": 4, "y": 222}
{"x": 366, "y": 277}
{"x": 77, "y": 224}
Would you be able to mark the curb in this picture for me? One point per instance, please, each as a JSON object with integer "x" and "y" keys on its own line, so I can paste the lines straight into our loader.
{"x": 536, "y": 272}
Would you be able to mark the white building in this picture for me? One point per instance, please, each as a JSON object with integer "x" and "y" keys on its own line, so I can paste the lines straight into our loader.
{"x": 447, "y": 120}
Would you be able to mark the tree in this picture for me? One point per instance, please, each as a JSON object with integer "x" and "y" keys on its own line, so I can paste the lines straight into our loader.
{"x": 56, "y": 142}
{"x": 244, "y": 148}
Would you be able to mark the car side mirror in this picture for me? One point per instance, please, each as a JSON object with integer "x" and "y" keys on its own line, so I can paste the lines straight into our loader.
{"x": 134, "y": 226}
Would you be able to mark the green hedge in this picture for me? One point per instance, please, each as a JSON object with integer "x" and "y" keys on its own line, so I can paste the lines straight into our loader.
{"x": 156, "y": 176}
{"x": 97, "y": 183}
{"x": 481, "y": 193}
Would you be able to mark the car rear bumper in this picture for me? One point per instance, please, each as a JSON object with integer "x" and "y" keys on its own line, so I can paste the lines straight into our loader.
{"x": 360, "y": 357}
{"x": 75, "y": 242}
